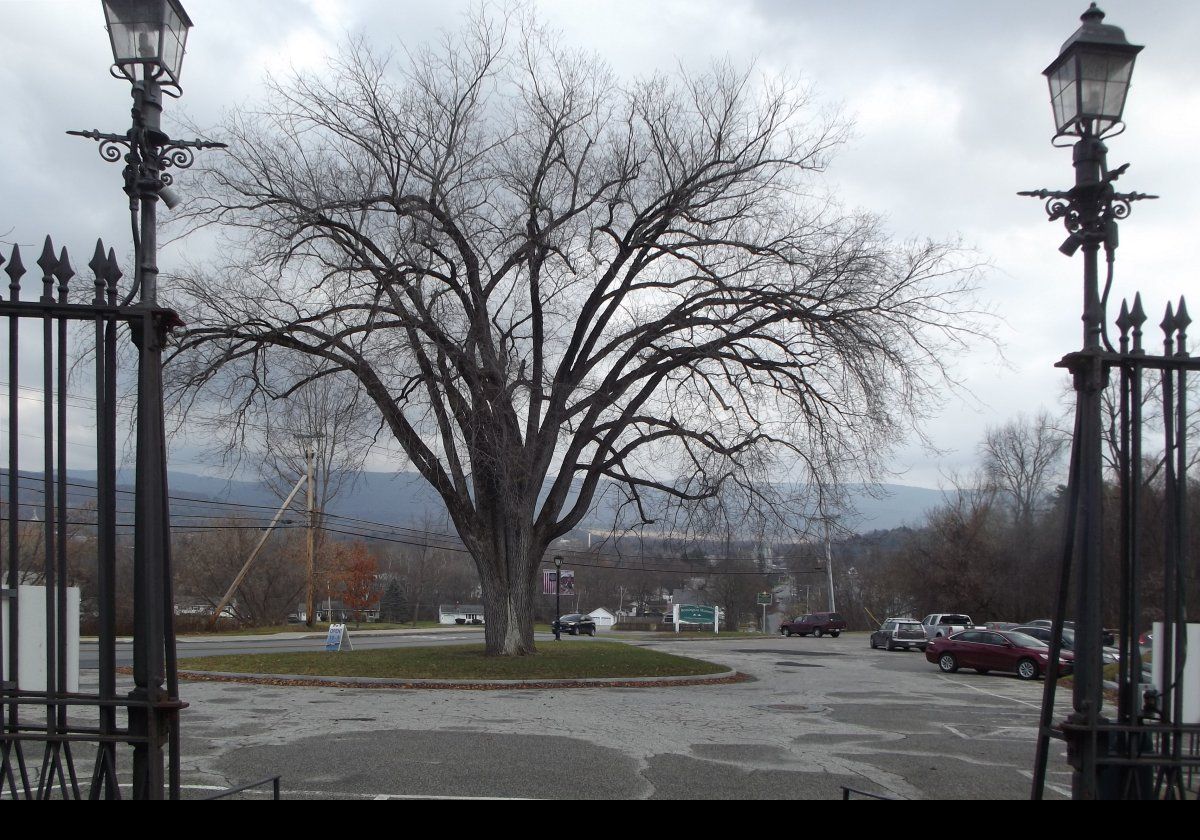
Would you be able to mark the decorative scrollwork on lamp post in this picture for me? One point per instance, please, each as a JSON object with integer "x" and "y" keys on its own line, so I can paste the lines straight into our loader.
{"x": 148, "y": 39}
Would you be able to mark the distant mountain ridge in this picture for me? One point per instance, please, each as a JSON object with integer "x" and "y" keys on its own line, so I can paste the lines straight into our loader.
{"x": 404, "y": 499}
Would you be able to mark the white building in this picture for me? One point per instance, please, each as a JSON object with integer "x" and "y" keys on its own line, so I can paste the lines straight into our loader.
{"x": 603, "y": 618}
{"x": 460, "y": 614}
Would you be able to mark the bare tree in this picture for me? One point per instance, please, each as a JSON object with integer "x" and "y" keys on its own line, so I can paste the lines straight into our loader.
{"x": 205, "y": 563}
{"x": 425, "y": 570}
{"x": 1021, "y": 459}
{"x": 546, "y": 280}
{"x": 326, "y": 411}
{"x": 1151, "y": 408}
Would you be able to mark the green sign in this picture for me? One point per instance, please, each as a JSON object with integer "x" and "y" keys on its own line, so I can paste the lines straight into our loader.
{"x": 697, "y": 615}
{"x": 764, "y": 599}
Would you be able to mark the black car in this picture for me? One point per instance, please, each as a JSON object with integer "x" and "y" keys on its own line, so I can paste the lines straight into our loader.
{"x": 576, "y": 624}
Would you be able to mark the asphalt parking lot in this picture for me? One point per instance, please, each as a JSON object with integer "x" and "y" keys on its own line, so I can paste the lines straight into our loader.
{"x": 821, "y": 713}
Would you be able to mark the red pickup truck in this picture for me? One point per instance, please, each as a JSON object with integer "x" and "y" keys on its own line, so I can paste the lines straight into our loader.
{"x": 817, "y": 624}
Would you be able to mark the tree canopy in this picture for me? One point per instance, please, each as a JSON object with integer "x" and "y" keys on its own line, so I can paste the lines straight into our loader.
{"x": 548, "y": 280}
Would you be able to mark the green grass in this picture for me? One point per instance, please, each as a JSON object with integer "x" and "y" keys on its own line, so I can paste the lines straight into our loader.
{"x": 465, "y": 662}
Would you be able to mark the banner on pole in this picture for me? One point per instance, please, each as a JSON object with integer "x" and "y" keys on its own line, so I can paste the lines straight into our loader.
{"x": 550, "y": 578}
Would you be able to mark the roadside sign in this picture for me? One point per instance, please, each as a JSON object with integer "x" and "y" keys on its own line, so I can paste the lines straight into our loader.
{"x": 338, "y": 638}
{"x": 689, "y": 614}
{"x": 694, "y": 614}
{"x": 764, "y": 599}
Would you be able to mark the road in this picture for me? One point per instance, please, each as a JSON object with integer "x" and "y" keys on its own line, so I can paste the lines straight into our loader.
{"x": 820, "y": 713}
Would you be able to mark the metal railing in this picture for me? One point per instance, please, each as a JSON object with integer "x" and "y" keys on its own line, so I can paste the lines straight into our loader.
{"x": 53, "y": 539}
{"x": 273, "y": 781}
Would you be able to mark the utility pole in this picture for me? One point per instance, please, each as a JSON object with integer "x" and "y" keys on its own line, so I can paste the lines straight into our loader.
{"x": 241, "y": 575}
{"x": 829, "y": 567}
{"x": 310, "y": 602}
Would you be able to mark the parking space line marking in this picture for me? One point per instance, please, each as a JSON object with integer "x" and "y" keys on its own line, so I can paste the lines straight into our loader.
{"x": 346, "y": 793}
{"x": 992, "y": 693}
{"x": 1059, "y": 789}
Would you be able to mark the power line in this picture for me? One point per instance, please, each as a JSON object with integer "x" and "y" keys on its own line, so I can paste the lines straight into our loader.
{"x": 428, "y": 539}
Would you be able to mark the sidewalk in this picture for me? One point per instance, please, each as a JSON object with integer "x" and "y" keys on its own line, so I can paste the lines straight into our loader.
{"x": 294, "y": 635}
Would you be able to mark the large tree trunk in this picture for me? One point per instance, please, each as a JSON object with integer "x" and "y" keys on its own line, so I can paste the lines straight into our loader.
{"x": 508, "y": 605}
{"x": 506, "y": 546}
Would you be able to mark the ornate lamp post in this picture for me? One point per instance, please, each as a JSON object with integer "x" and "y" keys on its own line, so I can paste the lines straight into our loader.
{"x": 148, "y": 39}
{"x": 1089, "y": 81}
{"x": 558, "y": 563}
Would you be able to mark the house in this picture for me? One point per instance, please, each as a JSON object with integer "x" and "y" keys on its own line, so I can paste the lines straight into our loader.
{"x": 603, "y": 618}
{"x": 460, "y": 614}
{"x": 335, "y": 611}
{"x": 203, "y": 607}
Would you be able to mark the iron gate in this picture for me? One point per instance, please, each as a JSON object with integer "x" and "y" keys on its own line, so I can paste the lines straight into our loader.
{"x": 50, "y": 734}
{"x": 1150, "y": 751}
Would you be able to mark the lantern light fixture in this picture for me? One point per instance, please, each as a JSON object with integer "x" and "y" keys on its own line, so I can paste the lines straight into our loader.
{"x": 148, "y": 38}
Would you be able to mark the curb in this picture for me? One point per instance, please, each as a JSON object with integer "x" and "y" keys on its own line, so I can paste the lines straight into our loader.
{"x": 721, "y": 678}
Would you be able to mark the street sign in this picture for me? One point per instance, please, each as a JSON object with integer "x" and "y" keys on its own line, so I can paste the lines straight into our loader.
{"x": 764, "y": 599}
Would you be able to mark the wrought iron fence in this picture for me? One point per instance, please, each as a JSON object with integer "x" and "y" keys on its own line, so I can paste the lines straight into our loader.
{"x": 49, "y": 730}
{"x": 1151, "y": 750}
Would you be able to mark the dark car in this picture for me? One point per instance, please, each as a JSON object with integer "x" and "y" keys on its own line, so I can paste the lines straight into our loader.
{"x": 1108, "y": 655}
{"x": 576, "y": 624}
{"x": 992, "y": 650}
{"x": 895, "y": 633}
{"x": 1108, "y": 635}
{"x": 818, "y": 624}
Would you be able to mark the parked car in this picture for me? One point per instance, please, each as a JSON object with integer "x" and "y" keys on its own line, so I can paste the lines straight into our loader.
{"x": 1107, "y": 654}
{"x": 895, "y": 633}
{"x": 1108, "y": 636}
{"x": 818, "y": 624}
{"x": 1001, "y": 625}
{"x": 945, "y": 624}
{"x": 993, "y": 650}
{"x": 575, "y": 624}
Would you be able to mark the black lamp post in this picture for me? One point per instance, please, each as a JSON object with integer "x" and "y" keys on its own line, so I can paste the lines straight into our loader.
{"x": 558, "y": 561}
{"x": 1089, "y": 81}
{"x": 148, "y": 39}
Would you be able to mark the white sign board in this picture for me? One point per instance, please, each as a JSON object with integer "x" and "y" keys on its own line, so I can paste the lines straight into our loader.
{"x": 695, "y": 614}
{"x": 31, "y": 630}
{"x": 1189, "y": 673}
{"x": 338, "y": 638}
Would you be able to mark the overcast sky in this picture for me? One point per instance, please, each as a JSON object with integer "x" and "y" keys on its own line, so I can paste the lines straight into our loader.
{"x": 951, "y": 112}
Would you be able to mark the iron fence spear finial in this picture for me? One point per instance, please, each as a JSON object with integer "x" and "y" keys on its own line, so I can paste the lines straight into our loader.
{"x": 1182, "y": 322}
{"x": 1138, "y": 317}
{"x": 47, "y": 262}
{"x": 1123, "y": 324}
{"x": 98, "y": 264}
{"x": 63, "y": 272}
{"x": 1167, "y": 325}
{"x": 15, "y": 271}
